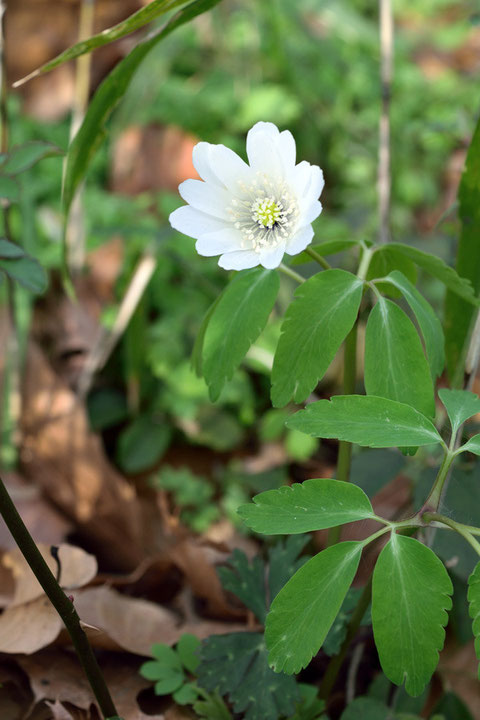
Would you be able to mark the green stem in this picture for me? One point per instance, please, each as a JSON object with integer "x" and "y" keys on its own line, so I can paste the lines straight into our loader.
{"x": 367, "y": 255}
{"x": 62, "y": 604}
{"x": 461, "y": 529}
{"x": 291, "y": 273}
{"x": 336, "y": 662}
{"x": 345, "y": 448}
{"x": 433, "y": 500}
{"x": 318, "y": 258}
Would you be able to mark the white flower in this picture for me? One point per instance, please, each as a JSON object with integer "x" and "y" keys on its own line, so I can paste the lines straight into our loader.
{"x": 250, "y": 214}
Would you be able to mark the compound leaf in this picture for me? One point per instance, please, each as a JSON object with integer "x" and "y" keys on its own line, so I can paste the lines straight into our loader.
{"x": 313, "y": 505}
{"x": 411, "y": 593}
{"x": 395, "y": 364}
{"x": 284, "y": 561}
{"x": 236, "y": 665}
{"x": 304, "y": 610}
{"x": 474, "y": 607}
{"x": 366, "y": 420}
{"x": 460, "y": 405}
{"x": 316, "y": 323}
{"x": 429, "y": 324}
{"x": 247, "y": 581}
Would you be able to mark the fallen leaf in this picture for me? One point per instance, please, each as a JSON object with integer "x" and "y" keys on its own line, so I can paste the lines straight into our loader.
{"x": 29, "y": 627}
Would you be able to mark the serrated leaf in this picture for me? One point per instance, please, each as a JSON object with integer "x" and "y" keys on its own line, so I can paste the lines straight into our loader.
{"x": 315, "y": 504}
{"x": 460, "y": 405}
{"x": 316, "y": 323}
{"x": 411, "y": 594}
{"x": 91, "y": 133}
{"x": 236, "y": 665}
{"x": 247, "y": 581}
{"x": 26, "y": 271}
{"x": 472, "y": 445}
{"x": 458, "y": 313}
{"x": 367, "y": 421}
{"x": 284, "y": 561}
{"x": 187, "y": 648}
{"x": 365, "y": 707}
{"x": 474, "y": 607}
{"x": 134, "y": 22}
{"x": 236, "y": 323}
{"x": 395, "y": 364}
{"x": 304, "y": 610}
{"x": 430, "y": 325}
{"x": 433, "y": 265}
{"x": 23, "y": 157}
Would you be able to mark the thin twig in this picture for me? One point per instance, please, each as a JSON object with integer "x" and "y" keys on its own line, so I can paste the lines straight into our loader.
{"x": 353, "y": 671}
{"x": 386, "y": 72}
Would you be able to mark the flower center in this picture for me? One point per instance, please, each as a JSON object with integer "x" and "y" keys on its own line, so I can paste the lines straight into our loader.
{"x": 265, "y": 212}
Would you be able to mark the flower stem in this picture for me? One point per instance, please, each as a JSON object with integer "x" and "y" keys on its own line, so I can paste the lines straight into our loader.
{"x": 291, "y": 273}
{"x": 62, "y": 604}
{"x": 461, "y": 529}
{"x": 433, "y": 500}
{"x": 318, "y": 258}
{"x": 345, "y": 448}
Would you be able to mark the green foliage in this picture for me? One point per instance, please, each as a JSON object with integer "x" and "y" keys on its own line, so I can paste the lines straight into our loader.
{"x": 474, "y": 607}
{"x": 429, "y": 324}
{"x": 142, "y": 444}
{"x": 411, "y": 585}
{"x": 20, "y": 267}
{"x": 372, "y": 469}
{"x": 310, "y": 707}
{"x": 313, "y": 505}
{"x": 316, "y": 323}
{"x": 168, "y": 669}
{"x": 451, "y": 707}
{"x": 92, "y": 131}
{"x": 212, "y": 708}
{"x": 472, "y": 445}
{"x": 236, "y": 665}
{"x": 337, "y": 633}
{"x": 460, "y": 405}
{"x": 458, "y": 313}
{"x": 25, "y": 156}
{"x": 235, "y": 323}
{"x": 192, "y": 494}
{"x": 304, "y": 610}
{"x": 366, "y": 707}
{"x": 367, "y": 421}
{"x": 246, "y": 581}
{"x": 395, "y": 364}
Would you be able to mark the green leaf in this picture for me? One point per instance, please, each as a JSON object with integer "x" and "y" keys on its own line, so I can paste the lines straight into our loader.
{"x": 395, "y": 364}
{"x": 26, "y": 271}
{"x": 316, "y": 323}
{"x": 142, "y": 444}
{"x": 384, "y": 262}
{"x": 472, "y": 445}
{"x": 366, "y": 420}
{"x": 9, "y": 188}
{"x": 212, "y": 708}
{"x": 304, "y": 610}
{"x": 411, "y": 593}
{"x": 246, "y": 581}
{"x": 132, "y": 23}
{"x": 451, "y": 707}
{"x": 187, "y": 648}
{"x": 433, "y": 265}
{"x": 25, "y": 156}
{"x": 430, "y": 325}
{"x": 186, "y": 695}
{"x": 458, "y": 313}
{"x": 460, "y": 405}
{"x": 236, "y": 323}
{"x": 315, "y": 504}
{"x": 10, "y": 250}
{"x": 91, "y": 133}
{"x": 474, "y": 607}
{"x": 236, "y": 665}
{"x": 366, "y": 707}
{"x": 284, "y": 561}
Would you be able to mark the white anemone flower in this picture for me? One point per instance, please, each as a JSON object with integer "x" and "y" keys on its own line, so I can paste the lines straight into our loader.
{"x": 250, "y": 214}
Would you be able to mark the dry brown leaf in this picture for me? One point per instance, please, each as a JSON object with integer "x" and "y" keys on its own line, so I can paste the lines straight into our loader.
{"x": 59, "y": 712}
{"x": 77, "y": 569}
{"x": 29, "y": 627}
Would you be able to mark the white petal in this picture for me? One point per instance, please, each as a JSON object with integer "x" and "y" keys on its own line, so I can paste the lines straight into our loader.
{"x": 219, "y": 242}
{"x": 230, "y": 168}
{"x": 300, "y": 240}
{"x": 287, "y": 148}
{"x": 313, "y": 188}
{"x": 208, "y": 198}
{"x": 300, "y": 177}
{"x": 194, "y": 223}
{"x": 201, "y": 157}
{"x": 239, "y": 260}
{"x": 263, "y": 149}
{"x": 311, "y": 213}
{"x": 272, "y": 257}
